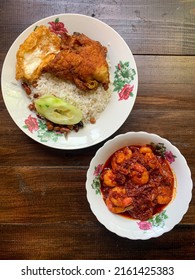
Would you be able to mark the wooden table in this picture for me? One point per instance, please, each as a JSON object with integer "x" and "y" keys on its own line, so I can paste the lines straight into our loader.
{"x": 44, "y": 213}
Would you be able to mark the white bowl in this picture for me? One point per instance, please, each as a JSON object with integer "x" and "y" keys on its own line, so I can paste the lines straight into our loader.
{"x": 160, "y": 223}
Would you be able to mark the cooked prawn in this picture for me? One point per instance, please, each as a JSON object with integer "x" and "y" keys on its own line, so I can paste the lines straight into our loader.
{"x": 164, "y": 195}
{"x": 151, "y": 160}
{"x": 118, "y": 201}
{"x": 108, "y": 178}
{"x": 120, "y": 158}
{"x": 139, "y": 174}
{"x": 145, "y": 149}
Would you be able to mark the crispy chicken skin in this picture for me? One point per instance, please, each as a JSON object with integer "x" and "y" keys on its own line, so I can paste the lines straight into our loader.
{"x": 81, "y": 61}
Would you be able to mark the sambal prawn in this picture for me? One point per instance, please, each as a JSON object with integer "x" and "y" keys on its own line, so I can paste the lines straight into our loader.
{"x": 118, "y": 201}
{"x": 137, "y": 181}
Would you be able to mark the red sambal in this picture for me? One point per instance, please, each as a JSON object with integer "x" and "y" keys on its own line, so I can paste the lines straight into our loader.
{"x": 137, "y": 182}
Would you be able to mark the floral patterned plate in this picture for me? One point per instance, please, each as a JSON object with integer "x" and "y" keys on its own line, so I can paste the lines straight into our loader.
{"x": 159, "y": 223}
{"x": 124, "y": 80}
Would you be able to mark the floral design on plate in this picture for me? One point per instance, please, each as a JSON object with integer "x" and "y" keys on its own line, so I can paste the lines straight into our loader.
{"x": 96, "y": 181}
{"x": 38, "y": 125}
{"x": 57, "y": 27}
{"x": 162, "y": 151}
{"x": 123, "y": 76}
{"x": 154, "y": 222}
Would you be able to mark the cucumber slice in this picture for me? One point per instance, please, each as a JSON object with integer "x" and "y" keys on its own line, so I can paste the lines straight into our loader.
{"x": 57, "y": 110}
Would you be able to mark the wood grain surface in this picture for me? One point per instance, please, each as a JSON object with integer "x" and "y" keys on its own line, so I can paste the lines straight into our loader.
{"x": 44, "y": 213}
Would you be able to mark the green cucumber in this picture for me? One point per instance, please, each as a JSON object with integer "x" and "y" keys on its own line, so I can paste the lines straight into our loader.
{"x": 57, "y": 110}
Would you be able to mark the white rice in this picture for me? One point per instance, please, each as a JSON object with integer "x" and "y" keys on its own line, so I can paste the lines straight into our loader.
{"x": 91, "y": 103}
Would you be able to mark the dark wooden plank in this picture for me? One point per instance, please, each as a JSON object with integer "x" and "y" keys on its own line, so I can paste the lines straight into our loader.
{"x": 49, "y": 195}
{"x": 166, "y": 69}
{"x": 42, "y": 195}
{"x": 90, "y": 240}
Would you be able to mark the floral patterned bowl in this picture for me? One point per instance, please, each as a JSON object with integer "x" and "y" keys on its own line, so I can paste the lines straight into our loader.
{"x": 159, "y": 223}
{"x": 123, "y": 75}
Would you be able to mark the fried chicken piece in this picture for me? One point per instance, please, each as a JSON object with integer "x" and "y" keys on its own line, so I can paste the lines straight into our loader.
{"x": 81, "y": 61}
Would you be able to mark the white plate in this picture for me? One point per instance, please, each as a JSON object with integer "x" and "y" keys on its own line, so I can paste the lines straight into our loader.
{"x": 160, "y": 223}
{"x": 115, "y": 114}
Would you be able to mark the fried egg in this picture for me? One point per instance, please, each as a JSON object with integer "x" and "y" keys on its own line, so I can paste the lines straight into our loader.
{"x": 35, "y": 53}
